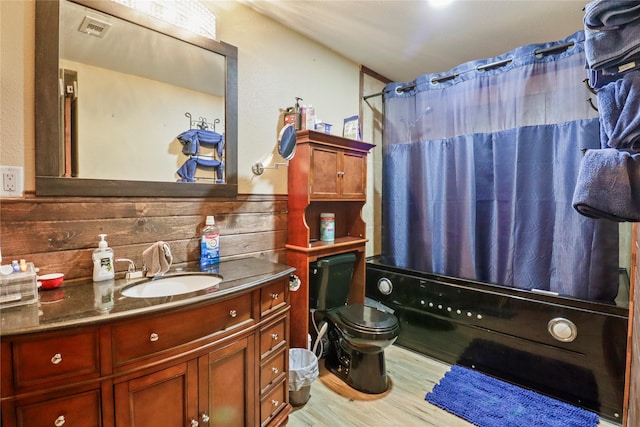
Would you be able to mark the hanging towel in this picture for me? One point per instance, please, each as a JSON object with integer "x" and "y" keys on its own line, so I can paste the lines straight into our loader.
{"x": 608, "y": 185}
{"x": 599, "y": 79}
{"x": 610, "y": 13}
{"x": 619, "y": 109}
{"x": 193, "y": 138}
{"x": 211, "y": 139}
{"x": 187, "y": 171}
{"x": 157, "y": 258}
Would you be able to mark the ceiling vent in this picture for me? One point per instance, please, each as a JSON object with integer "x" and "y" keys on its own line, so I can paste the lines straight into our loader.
{"x": 94, "y": 27}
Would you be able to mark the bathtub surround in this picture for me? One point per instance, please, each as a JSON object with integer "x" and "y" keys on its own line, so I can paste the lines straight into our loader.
{"x": 515, "y": 335}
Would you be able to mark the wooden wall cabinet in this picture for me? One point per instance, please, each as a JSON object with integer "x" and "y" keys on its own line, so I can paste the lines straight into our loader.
{"x": 219, "y": 362}
{"x": 327, "y": 174}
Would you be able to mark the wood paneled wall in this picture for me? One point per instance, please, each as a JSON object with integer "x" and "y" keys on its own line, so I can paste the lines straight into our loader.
{"x": 60, "y": 234}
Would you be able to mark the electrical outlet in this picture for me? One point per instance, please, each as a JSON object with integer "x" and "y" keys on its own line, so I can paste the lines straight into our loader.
{"x": 12, "y": 179}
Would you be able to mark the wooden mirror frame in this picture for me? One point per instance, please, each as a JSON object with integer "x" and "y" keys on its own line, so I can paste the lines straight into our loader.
{"x": 47, "y": 113}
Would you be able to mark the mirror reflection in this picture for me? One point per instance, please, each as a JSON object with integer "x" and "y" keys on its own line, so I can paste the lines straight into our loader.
{"x": 129, "y": 100}
{"x": 287, "y": 142}
{"x": 131, "y": 106}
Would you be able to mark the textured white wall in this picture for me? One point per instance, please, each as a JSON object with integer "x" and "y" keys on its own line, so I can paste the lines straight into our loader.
{"x": 17, "y": 40}
{"x": 275, "y": 65}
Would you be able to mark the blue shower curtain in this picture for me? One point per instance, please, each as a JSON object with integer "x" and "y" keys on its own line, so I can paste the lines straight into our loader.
{"x": 479, "y": 168}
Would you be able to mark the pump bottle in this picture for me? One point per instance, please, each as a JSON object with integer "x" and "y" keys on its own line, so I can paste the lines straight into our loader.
{"x": 103, "y": 261}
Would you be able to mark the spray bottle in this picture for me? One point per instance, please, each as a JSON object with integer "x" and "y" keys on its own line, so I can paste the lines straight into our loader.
{"x": 298, "y": 114}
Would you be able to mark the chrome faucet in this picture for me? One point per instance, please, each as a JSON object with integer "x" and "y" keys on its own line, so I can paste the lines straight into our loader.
{"x": 131, "y": 273}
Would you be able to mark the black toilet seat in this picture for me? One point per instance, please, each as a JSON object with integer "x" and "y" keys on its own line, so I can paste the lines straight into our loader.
{"x": 363, "y": 320}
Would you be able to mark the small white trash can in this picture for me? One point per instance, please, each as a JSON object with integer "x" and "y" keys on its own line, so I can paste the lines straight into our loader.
{"x": 303, "y": 370}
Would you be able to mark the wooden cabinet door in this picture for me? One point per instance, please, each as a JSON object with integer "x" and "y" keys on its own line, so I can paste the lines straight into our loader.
{"x": 227, "y": 385}
{"x": 165, "y": 398}
{"x": 324, "y": 173}
{"x": 354, "y": 176}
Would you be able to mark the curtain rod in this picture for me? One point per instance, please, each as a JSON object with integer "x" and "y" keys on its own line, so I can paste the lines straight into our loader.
{"x": 406, "y": 88}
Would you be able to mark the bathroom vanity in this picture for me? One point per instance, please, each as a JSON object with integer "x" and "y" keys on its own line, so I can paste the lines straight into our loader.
{"x": 218, "y": 356}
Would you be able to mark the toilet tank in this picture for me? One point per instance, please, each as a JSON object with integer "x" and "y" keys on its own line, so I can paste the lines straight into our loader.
{"x": 329, "y": 281}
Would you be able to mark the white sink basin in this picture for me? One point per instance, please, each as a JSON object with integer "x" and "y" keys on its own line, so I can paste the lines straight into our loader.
{"x": 171, "y": 285}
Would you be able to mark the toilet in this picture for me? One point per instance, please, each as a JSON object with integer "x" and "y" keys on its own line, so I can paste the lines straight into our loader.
{"x": 358, "y": 334}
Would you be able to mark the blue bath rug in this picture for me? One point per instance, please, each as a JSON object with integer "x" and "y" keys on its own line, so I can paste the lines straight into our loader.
{"x": 487, "y": 402}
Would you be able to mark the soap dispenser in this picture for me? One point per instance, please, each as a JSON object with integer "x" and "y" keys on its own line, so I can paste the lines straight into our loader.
{"x": 103, "y": 261}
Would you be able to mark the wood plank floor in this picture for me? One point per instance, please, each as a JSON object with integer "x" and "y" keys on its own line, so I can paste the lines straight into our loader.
{"x": 334, "y": 404}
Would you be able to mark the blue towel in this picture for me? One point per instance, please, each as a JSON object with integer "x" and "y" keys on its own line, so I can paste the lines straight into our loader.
{"x": 193, "y": 138}
{"x": 608, "y": 185}
{"x": 187, "y": 171}
{"x": 614, "y": 50}
{"x": 619, "y": 108}
{"x": 601, "y": 78}
{"x": 211, "y": 139}
{"x": 610, "y": 13}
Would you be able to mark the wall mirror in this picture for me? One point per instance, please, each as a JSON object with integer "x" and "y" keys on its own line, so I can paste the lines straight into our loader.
{"x": 128, "y": 105}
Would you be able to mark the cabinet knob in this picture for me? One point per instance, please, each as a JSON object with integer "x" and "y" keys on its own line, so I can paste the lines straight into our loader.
{"x": 275, "y": 403}
{"x": 154, "y": 337}
{"x": 59, "y": 422}
{"x": 233, "y": 313}
{"x": 275, "y": 370}
{"x": 57, "y": 358}
{"x": 205, "y": 418}
{"x": 275, "y": 296}
{"x": 194, "y": 423}
{"x": 275, "y": 337}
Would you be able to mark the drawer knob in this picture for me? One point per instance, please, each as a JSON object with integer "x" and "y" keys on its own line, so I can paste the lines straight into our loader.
{"x": 233, "y": 313}
{"x": 194, "y": 423}
{"x": 275, "y": 337}
{"x": 205, "y": 418}
{"x": 57, "y": 358}
{"x": 275, "y": 296}
{"x": 59, "y": 422}
{"x": 154, "y": 337}
{"x": 275, "y": 370}
{"x": 275, "y": 403}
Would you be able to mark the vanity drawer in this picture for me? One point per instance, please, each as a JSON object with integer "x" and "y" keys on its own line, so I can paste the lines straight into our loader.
{"x": 273, "y": 296}
{"x": 272, "y": 403}
{"x": 77, "y": 410}
{"x": 272, "y": 337}
{"x": 56, "y": 358}
{"x": 150, "y": 335}
{"x": 272, "y": 369}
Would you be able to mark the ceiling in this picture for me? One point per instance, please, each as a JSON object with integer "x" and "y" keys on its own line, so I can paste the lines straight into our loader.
{"x": 402, "y": 39}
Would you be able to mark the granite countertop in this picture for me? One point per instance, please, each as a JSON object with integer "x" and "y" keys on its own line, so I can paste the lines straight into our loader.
{"x": 91, "y": 302}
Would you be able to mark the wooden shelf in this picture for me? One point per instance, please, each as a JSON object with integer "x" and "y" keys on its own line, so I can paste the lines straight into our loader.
{"x": 339, "y": 243}
{"x": 327, "y": 174}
